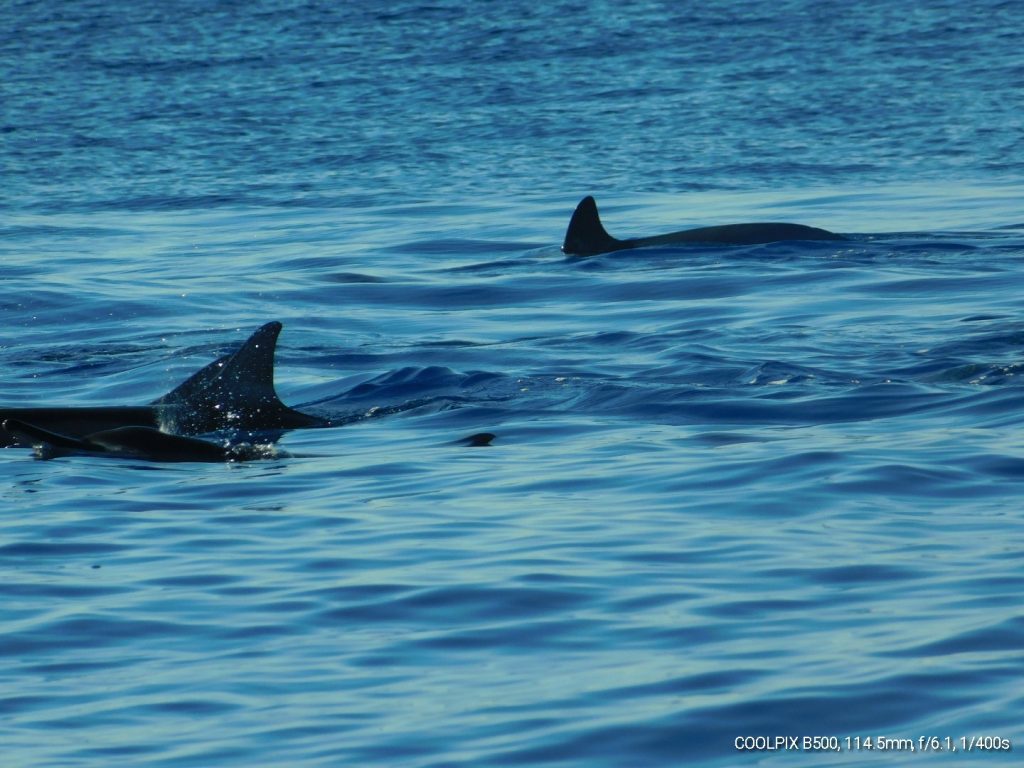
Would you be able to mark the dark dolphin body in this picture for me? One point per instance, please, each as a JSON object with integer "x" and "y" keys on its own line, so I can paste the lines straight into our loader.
{"x": 235, "y": 392}
{"x": 586, "y": 236}
{"x": 479, "y": 440}
{"x": 124, "y": 442}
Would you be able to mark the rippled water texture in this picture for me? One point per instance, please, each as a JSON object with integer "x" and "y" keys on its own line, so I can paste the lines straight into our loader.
{"x": 734, "y": 491}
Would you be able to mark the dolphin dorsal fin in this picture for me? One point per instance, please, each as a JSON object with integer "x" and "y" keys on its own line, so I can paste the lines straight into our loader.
{"x": 236, "y": 390}
{"x": 586, "y": 235}
{"x": 243, "y": 377}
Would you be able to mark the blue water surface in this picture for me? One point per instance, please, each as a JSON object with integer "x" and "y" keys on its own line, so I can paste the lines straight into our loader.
{"x": 735, "y": 491}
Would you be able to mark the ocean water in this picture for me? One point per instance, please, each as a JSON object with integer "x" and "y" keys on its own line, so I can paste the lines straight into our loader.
{"x": 756, "y": 491}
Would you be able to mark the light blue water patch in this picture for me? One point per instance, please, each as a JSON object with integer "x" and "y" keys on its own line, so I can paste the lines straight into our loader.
{"x": 734, "y": 491}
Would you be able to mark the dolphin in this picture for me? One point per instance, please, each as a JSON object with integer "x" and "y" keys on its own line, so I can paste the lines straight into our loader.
{"x": 586, "y": 236}
{"x": 127, "y": 442}
{"x": 234, "y": 392}
{"x": 479, "y": 440}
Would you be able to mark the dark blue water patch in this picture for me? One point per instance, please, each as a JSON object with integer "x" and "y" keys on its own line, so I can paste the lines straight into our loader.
{"x": 648, "y": 554}
{"x": 461, "y": 603}
{"x": 777, "y": 372}
{"x": 698, "y": 636}
{"x": 355, "y": 278}
{"x": 930, "y": 286}
{"x": 119, "y": 752}
{"x": 251, "y": 633}
{"x": 981, "y": 318}
{"x": 906, "y": 481}
{"x": 844, "y": 576}
{"x": 646, "y": 602}
{"x": 412, "y": 390}
{"x": 1009, "y": 583}
{"x": 94, "y": 632}
{"x": 519, "y": 637}
{"x": 942, "y": 372}
{"x": 187, "y": 707}
{"x": 41, "y": 300}
{"x": 432, "y": 295}
{"x": 362, "y": 593}
{"x": 198, "y": 580}
{"x": 1002, "y": 638}
{"x": 414, "y": 380}
{"x": 38, "y": 591}
{"x": 1008, "y": 338}
{"x": 54, "y": 549}
{"x": 398, "y": 747}
{"x": 719, "y": 439}
{"x": 688, "y": 685}
{"x": 16, "y": 705}
{"x": 1010, "y": 467}
{"x": 457, "y": 247}
{"x": 524, "y": 262}
{"x": 334, "y": 564}
{"x": 766, "y": 407}
{"x": 65, "y": 669}
{"x": 985, "y": 407}
{"x": 758, "y": 610}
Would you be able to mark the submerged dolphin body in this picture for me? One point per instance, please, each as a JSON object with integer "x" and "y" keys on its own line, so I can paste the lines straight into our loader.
{"x": 234, "y": 392}
{"x": 125, "y": 442}
{"x": 586, "y": 236}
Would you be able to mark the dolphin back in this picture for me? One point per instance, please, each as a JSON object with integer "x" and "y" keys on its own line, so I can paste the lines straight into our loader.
{"x": 586, "y": 235}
